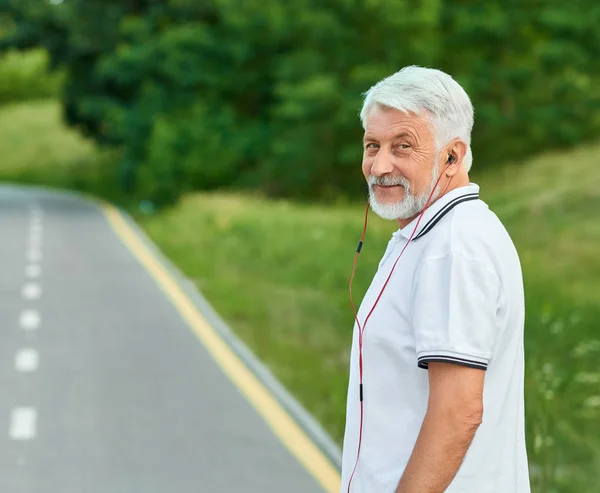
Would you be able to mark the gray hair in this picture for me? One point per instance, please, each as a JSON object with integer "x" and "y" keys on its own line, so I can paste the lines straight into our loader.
{"x": 418, "y": 89}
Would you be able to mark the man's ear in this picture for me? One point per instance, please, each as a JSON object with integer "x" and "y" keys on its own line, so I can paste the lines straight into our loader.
{"x": 454, "y": 154}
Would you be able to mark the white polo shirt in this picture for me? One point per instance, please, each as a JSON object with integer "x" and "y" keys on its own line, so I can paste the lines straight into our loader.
{"x": 456, "y": 295}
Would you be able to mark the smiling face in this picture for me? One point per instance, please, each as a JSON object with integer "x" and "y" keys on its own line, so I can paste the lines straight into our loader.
{"x": 400, "y": 163}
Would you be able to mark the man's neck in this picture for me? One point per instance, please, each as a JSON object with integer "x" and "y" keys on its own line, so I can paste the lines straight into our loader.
{"x": 455, "y": 183}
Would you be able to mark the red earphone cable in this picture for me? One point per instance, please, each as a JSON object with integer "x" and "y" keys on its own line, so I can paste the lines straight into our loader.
{"x": 361, "y": 329}
{"x": 359, "y": 339}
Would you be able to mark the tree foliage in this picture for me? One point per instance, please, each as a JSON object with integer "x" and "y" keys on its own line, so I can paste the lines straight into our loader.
{"x": 265, "y": 94}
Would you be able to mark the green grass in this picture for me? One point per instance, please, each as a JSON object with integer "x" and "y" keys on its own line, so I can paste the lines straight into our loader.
{"x": 278, "y": 273}
{"x": 37, "y": 149}
{"x": 24, "y": 76}
{"x": 33, "y": 141}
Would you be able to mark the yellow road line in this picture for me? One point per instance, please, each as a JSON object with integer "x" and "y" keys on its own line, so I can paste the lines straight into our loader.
{"x": 282, "y": 424}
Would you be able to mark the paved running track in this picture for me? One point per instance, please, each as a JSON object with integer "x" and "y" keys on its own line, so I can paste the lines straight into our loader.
{"x": 106, "y": 387}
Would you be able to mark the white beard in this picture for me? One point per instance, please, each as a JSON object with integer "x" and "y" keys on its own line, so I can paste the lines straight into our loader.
{"x": 410, "y": 205}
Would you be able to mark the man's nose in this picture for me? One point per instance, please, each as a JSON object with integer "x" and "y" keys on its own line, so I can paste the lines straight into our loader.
{"x": 382, "y": 164}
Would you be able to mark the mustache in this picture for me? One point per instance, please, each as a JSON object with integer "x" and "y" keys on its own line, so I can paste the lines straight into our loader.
{"x": 388, "y": 181}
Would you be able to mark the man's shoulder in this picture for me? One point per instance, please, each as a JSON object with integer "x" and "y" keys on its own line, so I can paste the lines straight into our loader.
{"x": 472, "y": 230}
{"x": 475, "y": 220}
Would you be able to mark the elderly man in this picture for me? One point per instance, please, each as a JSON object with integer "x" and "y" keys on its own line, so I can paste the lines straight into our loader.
{"x": 435, "y": 396}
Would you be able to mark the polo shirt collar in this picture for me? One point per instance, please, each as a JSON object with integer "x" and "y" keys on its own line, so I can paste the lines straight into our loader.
{"x": 439, "y": 209}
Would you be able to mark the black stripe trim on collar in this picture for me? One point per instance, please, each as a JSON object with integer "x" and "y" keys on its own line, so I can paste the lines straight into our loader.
{"x": 424, "y": 361}
{"x": 442, "y": 212}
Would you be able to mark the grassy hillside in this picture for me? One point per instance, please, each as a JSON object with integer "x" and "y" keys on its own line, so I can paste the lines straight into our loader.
{"x": 33, "y": 142}
{"x": 278, "y": 272}
{"x": 37, "y": 149}
{"x": 24, "y": 76}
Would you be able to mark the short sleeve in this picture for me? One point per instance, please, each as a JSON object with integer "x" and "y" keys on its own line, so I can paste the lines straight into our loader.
{"x": 455, "y": 306}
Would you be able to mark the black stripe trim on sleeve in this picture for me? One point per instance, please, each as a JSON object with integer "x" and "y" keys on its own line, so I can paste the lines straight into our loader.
{"x": 442, "y": 212}
{"x": 423, "y": 361}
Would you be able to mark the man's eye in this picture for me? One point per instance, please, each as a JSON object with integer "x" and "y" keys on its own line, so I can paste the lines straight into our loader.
{"x": 371, "y": 145}
{"x": 403, "y": 146}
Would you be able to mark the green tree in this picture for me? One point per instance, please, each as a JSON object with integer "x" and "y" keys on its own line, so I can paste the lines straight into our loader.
{"x": 265, "y": 94}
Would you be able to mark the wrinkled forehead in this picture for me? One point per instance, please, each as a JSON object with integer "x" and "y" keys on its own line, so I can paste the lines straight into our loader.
{"x": 384, "y": 122}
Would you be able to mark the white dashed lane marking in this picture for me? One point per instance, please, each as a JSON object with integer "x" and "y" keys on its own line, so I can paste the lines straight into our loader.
{"x": 30, "y": 320}
{"x": 27, "y": 360}
{"x": 23, "y": 420}
{"x": 23, "y": 423}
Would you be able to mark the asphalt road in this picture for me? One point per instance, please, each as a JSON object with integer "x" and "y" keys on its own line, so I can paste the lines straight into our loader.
{"x": 104, "y": 389}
